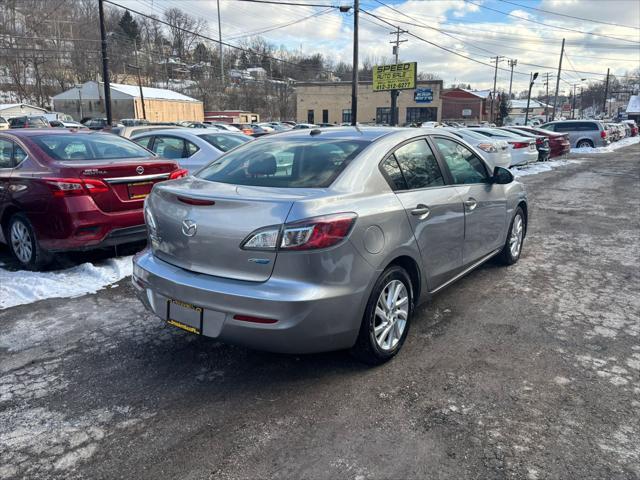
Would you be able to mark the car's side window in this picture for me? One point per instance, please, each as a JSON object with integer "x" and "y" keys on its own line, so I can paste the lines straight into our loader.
{"x": 18, "y": 155}
{"x": 143, "y": 142}
{"x": 464, "y": 165}
{"x": 6, "y": 152}
{"x": 169, "y": 147}
{"x": 191, "y": 148}
{"x": 392, "y": 170}
{"x": 418, "y": 165}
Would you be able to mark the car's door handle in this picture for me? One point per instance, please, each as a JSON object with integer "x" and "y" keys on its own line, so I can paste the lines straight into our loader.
{"x": 471, "y": 204}
{"x": 421, "y": 211}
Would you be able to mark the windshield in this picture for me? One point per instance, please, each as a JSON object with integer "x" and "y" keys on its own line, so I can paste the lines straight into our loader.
{"x": 287, "y": 163}
{"x": 470, "y": 134}
{"x": 89, "y": 147}
{"x": 224, "y": 143}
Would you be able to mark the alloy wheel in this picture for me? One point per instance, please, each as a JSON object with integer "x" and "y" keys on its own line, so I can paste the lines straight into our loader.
{"x": 392, "y": 311}
{"x": 21, "y": 241}
{"x": 515, "y": 240}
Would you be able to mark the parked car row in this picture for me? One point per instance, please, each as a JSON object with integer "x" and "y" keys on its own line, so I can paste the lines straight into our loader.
{"x": 592, "y": 133}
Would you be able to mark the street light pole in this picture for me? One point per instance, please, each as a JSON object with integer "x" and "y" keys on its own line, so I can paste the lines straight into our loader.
{"x": 512, "y": 63}
{"x": 526, "y": 114}
{"x": 79, "y": 87}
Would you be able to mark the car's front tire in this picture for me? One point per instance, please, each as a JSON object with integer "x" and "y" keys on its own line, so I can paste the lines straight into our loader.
{"x": 24, "y": 244}
{"x": 386, "y": 319}
{"x": 515, "y": 239}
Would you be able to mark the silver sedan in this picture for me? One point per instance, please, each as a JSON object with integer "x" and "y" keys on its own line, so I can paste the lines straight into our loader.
{"x": 321, "y": 240}
{"x": 191, "y": 148}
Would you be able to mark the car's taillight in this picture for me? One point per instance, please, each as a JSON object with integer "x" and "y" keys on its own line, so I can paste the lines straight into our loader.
{"x": 308, "y": 234}
{"x": 181, "y": 172}
{"x": 69, "y": 187}
{"x": 487, "y": 147}
{"x": 539, "y": 141}
{"x": 603, "y": 134}
{"x": 519, "y": 144}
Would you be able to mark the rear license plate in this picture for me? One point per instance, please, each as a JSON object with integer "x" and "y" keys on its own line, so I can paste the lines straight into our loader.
{"x": 139, "y": 190}
{"x": 185, "y": 316}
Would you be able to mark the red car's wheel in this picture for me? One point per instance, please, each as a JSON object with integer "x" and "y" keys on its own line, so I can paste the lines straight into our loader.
{"x": 24, "y": 243}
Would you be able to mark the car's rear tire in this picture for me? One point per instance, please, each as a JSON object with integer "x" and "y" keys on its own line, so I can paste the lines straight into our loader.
{"x": 585, "y": 144}
{"x": 24, "y": 244}
{"x": 512, "y": 249}
{"x": 386, "y": 319}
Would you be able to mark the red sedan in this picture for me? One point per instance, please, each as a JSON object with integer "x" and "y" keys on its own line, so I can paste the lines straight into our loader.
{"x": 558, "y": 142}
{"x": 63, "y": 190}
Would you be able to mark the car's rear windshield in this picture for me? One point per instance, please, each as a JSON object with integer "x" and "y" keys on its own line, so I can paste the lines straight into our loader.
{"x": 286, "y": 163}
{"x": 100, "y": 146}
{"x": 224, "y": 143}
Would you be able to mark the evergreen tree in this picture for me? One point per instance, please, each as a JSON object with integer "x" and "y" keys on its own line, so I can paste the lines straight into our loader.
{"x": 129, "y": 26}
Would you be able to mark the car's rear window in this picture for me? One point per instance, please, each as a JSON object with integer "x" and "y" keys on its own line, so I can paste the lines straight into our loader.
{"x": 224, "y": 143}
{"x": 287, "y": 163}
{"x": 89, "y": 147}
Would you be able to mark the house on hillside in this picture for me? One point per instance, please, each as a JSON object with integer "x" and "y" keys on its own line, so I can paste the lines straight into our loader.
{"x": 633, "y": 108}
{"x": 161, "y": 105}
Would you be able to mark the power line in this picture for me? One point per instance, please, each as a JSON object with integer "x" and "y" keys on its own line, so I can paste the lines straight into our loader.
{"x": 547, "y": 25}
{"x": 568, "y": 16}
{"x": 278, "y": 2}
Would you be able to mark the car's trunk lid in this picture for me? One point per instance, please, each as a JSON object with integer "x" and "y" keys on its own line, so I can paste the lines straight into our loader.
{"x": 200, "y": 226}
{"x": 129, "y": 180}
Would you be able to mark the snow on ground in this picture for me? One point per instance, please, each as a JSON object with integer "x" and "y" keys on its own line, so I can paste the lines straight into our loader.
{"x": 21, "y": 287}
{"x": 625, "y": 142}
{"x": 540, "y": 167}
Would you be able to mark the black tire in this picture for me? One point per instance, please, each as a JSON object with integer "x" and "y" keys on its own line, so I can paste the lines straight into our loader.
{"x": 366, "y": 348}
{"x": 506, "y": 256}
{"x": 585, "y": 144}
{"x": 37, "y": 257}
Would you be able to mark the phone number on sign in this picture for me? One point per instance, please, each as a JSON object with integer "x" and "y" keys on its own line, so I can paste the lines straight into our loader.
{"x": 393, "y": 86}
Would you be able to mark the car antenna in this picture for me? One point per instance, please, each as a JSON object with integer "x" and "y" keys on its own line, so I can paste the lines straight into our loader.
{"x": 315, "y": 131}
{"x": 358, "y": 129}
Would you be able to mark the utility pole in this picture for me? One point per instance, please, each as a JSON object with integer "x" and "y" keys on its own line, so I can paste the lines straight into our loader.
{"x": 555, "y": 98}
{"x": 526, "y": 114}
{"x": 606, "y": 93}
{"x": 144, "y": 112}
{"x": 512, "y": 63}
{"x": 395, "y": 93}
{"x": 495, "y": 79}
{"x": 220, "y": 45}
{"x": 573, "y": 103}
{"x": 105, "y": 66}
{"x": 354, "y": 77}
{"x": 546, "y": 110}
{"x": 581, "y": 93}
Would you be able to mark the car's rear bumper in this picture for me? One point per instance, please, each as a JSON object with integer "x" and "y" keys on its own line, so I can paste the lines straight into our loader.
{"x": 523, "y": 156}
{"x": 310, "y": 317}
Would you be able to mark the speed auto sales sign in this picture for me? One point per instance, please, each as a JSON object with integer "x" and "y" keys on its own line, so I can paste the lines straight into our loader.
{"x": 401, "y": 76}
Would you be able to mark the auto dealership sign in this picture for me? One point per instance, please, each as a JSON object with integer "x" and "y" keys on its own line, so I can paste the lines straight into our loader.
{"x": 401, "y": 76}
{"x": 423, "y": 95}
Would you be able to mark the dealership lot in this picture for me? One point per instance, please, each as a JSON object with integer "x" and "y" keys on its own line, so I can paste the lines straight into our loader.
{"x": 530, "y": 372}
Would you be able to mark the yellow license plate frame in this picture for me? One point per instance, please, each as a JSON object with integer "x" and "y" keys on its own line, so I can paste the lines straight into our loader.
{"x": 199, "y": 311}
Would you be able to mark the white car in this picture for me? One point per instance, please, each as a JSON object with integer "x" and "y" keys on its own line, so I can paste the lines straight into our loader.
{"x": 225, "y": 126}
{"x": 523, "y": 149}
{"x": 494, "y": 151}
{"x": 192, "y": 149}
{"x": 430, "y": 125}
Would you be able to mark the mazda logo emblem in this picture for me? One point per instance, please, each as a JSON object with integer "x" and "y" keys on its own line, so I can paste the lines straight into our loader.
{"x": 140, "y": 170}
{"x": 189, "y": 227}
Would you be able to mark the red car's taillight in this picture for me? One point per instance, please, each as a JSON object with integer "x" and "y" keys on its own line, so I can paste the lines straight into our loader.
{"x": 181, "y": 172}
{"x": 69, "y": 187}
{"x": 308, "y": 234}
{"x": 603, "y": 134}
{"x": 520, "y": 144}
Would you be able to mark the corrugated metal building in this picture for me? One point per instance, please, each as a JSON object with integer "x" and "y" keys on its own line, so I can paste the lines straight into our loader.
{"x": 161, "y": 105}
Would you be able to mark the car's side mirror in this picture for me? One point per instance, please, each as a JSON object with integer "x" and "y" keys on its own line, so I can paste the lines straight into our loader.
{"x": 502, "y": 176}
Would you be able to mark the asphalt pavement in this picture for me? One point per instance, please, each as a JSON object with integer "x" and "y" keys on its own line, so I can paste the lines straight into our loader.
{"x": 523, "y": 372}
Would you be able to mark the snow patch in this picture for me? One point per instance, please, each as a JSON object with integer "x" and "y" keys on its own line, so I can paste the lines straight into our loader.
{"x": 612, "y": 147}
{"x": 22, "y": 287}
{"x": 540, "y": 167}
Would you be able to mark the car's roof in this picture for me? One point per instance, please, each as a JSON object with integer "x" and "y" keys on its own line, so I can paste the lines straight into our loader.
{"x": 184, "y": 131}
{"x": 340, "y": 133}
{"x": 34, "y": 132}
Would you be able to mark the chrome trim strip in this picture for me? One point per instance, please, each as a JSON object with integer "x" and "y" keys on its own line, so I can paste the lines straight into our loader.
{"x": 464, "y": 272}
{"x": 137, "y": 178}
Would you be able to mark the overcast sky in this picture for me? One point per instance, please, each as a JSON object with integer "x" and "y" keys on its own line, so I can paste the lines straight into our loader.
{"x": 479, "y": 29}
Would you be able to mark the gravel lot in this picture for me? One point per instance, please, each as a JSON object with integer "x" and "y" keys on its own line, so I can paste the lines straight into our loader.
{"x": 529, "y": 372}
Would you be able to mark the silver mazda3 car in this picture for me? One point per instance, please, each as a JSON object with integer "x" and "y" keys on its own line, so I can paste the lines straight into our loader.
{"x": 319, "y": 240}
